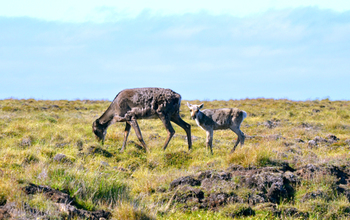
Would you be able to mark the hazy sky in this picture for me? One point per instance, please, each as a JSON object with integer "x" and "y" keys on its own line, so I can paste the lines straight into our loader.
{"x": 201, "y": 49}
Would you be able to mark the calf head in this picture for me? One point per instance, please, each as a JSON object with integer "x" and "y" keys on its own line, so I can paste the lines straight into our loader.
{"x": 99, "y": 130}
{"x": 194, "y": 109}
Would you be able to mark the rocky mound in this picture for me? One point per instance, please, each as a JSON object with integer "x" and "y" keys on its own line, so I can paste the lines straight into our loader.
{"x": 65, "y": 205}
{"x": 251, "y": 188}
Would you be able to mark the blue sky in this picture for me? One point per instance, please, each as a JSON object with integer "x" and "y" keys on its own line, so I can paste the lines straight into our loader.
{"x": 203, "y": 50}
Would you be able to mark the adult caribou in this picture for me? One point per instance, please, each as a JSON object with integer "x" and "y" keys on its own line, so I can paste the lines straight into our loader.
{"x": 142, "y": 103}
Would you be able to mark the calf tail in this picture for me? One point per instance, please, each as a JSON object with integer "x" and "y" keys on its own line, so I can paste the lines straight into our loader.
{"x": 244, "y": 115}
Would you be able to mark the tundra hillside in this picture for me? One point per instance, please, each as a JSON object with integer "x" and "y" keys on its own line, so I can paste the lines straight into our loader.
{"x": 294, "y": 164}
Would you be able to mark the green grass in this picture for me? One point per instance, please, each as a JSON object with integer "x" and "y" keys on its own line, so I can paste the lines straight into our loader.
{"x": 130, "y": 184}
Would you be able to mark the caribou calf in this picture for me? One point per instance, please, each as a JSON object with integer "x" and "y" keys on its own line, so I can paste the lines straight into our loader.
{"x": 142, "y": 103}
{"x": 218, "y": 119}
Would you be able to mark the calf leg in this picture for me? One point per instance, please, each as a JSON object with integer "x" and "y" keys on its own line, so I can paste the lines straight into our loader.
{"x": 240, "y": 137}
{"x": 168, "y": 127}
{"x": 136, "y": 127}
{"x": 210, "y": 140}
{"x": 126, "y": 134}
{"x": 178, "y": 120}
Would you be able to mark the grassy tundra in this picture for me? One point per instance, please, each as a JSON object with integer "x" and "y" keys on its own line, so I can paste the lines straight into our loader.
{"x": 50, "y": 143}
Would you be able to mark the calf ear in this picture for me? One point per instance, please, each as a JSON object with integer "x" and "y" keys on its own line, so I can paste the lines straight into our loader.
{"x": 201, "y": 106}
{"x": 189, "y": 105}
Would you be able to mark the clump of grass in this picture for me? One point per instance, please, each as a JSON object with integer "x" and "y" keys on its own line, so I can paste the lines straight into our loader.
{"x": 179, "y": 159}
{"x": 44, "y": 205}
{"x": 90, "y": 189}
{"x": 126, "y": 210}
{"x": 237, "y": 210}
{"x": 259, "y": 156}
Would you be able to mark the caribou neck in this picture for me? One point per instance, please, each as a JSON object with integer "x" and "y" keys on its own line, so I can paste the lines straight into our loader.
{"x": 107, "y": 118}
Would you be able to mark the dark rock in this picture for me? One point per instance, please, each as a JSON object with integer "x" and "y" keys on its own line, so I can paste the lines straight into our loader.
{"x": 26, "y": 142}
{"x": 332, "y": 138}
{"x": 314, "y": 195}
{"x": 59, "y": 157}
{"x": 308, "y": 171}
{"x": 277, "y": 192}
{"x": 241, "y": 210}
{"x": 187, "y": 180}
{"x": 34, "y": 212}
{"x": 263, "y": 181}
{"x": 274, "y": 185}
{"x": 217, "y": 199}
{"x": 60, "y": 145}
{"x": 271, "y": 123}
{"x": 214, "y": 175}
{"x": 347, "y": 141}
{"x": 80, "y": 145}
{"x": 293, "y": 212}
{"x": 290, "y": 177}
{"x": 120, "y": 169}
{"x": 73, "y": 212}
{"x": 256, "y": 199}
{"x": 187, "y": 193}
{"x": 319, "y": 140}
{"x": 4, "y": 213}
{"x": 274, "y": 137}
{"x": 235, "y": 167}
{"x": 288, "y": 144}
{"x": 217, "y": 185}
{"x": 55, "y": 106}
{"x": 307, "y": 126}
{"x": 53, "y": 194}
{"x": 298, "y": 140}
{"x": 286, "y": 167}
{"x": 98, "y": 150}
{"x": 311, "y": 144}
{"x": 11, "y": 211}
{"x": 344, "y": 191}
{"x": 339, "y": 173}
{"x": 65, "y": 203}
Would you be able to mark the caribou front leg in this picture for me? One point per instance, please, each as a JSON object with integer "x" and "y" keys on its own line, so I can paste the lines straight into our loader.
{"x": 187, "y": 127}
{"x": 126, "y": 134}
{"x": 210, "y": 134}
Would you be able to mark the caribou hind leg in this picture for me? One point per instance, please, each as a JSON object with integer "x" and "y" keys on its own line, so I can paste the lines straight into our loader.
{"x": 126, "y": 134}
{"x": 240, "y": 137}
{"x": 136, "y": 127}
{"x": 177, "y": 120}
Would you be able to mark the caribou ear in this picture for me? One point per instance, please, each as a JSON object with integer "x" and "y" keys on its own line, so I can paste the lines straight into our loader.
{"x": 201, "y": 106}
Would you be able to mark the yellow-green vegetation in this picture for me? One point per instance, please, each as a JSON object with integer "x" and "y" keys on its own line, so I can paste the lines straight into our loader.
{"x": 134, "y": 184}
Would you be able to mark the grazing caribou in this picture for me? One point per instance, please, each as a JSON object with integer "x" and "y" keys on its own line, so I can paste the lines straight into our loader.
{"x": 218, "y": 119}
{"x": 142, "y": 103}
